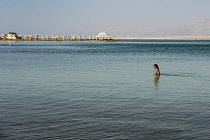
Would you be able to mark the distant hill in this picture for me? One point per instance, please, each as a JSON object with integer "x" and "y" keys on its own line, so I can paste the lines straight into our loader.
{"x": 197, "y": 28}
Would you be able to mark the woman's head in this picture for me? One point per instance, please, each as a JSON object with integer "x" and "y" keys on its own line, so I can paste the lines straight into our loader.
{"x": 155, "y": 66}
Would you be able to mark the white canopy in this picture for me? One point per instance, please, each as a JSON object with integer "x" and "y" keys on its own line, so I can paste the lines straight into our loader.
{"x": 103, "y": 34}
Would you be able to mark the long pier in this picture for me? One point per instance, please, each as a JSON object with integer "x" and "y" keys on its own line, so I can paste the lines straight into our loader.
{"x": 60, "y": 38}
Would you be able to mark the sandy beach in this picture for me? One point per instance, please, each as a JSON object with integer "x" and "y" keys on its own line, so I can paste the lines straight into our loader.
{"x": 165, "y": 38}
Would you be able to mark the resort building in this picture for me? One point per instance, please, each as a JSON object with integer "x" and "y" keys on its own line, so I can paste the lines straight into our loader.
{"x": 11, "y": 35}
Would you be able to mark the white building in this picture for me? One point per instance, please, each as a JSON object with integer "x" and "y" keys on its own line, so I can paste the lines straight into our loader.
{"x": 11, "y": 35}
{"x": 103, "y": 35}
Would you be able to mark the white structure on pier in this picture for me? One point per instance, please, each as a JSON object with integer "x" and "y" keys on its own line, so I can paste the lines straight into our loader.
{"x": 103, "y": 35}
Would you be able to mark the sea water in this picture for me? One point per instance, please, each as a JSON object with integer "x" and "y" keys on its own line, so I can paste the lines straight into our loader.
{"x": 98, "y": 90}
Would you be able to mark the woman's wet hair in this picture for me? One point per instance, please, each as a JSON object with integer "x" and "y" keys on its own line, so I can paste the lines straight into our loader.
{"x": 156, "y": 66}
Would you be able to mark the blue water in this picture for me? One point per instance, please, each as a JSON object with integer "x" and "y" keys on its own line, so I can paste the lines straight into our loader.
{"x": 92, "y": 90}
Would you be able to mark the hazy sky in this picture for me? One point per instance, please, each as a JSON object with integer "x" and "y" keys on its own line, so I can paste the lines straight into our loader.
{"x": 89, "y": 17}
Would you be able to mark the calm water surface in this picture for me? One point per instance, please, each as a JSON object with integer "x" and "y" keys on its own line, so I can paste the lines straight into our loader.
{"x": 87, "y": 90}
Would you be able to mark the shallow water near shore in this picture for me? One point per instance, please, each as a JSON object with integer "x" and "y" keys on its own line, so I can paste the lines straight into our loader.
{"x": 98, "y": 90}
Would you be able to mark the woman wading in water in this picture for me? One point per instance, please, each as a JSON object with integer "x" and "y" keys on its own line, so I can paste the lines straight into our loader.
{"x": 157, "y": 76}
{"x": 157, "y": 71}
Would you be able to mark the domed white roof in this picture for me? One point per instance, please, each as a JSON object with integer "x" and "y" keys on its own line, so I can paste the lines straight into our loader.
{"x": 103, "y": 34}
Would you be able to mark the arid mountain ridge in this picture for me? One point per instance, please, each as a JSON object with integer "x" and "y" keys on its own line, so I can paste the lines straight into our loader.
{"x": 200, "y": 27}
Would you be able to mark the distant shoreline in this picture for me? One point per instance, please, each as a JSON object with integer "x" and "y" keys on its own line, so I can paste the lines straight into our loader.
{"x": 165, "y": 38}
{"x": 117, "y": 39}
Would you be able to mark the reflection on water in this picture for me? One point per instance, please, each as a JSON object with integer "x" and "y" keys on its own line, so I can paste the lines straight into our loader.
{"x": 156, "y": 81}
